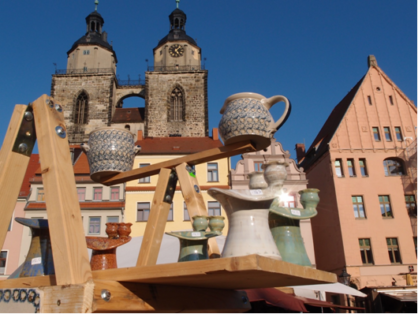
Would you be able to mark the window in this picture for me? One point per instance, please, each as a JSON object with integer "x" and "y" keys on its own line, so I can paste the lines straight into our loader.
{"x": 258, "y": 166}
{"x": 391, "y": 99}
{"x": 112, "y": 219}
{"x": 339, "y": 168}
{"x": 146, "y": 179}
{"x": 97, "y": 194}
{"x": 213, "y": 172}
{"x": 393, "y": 249}
{"x": 351, "y": 169}
{"x": 3, "y": 262}
{"x": 41, "y": 195}
{"x": 177, "y": 105}
{"x": 398, "y": 133}
{"x": 369, "y": 99}
{"x": 393, "y": 167}
{"x": 388, "y": 136}
{"x": 86, "y": 52}
{"x": 385, "y": 208}
{"x": 358, "y": 206}
{"x": 94, "y": 225}
{"x": 363, "y": 167}
{"x": 114, "y": 193}
{"x": 81, "y": 194}
{"x": 415, "y": 243}
{"x": 186, "y": 216}
{"x": 366, "y": 251}
{"x": 170, "y": 213}
{"x": 143, "y": 210}
{"x": 376, "y": 134}
{"x": 214, "y": 209}
{"x": 81, "y": 108}
{"x": 411, "y": 205}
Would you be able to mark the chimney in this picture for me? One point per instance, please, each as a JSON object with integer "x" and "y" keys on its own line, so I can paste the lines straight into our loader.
{"x": 300, "y": 151}
{"x": 215, "y": 134}
{"x": 140, "y": 136}
{"x": 371, "y": 61}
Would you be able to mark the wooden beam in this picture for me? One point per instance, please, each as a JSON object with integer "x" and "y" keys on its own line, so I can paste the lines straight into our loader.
{"x": 192, "y": 159}
{"x": 134, "y": 297}
{"x": 13, "y": 167}
{"x": 28, "y": 282}
{"x": 67, "y": 299}
{"x": 154, "y": 230}
{"x": 69, "y": 248}
{"x": 194, "y": 202}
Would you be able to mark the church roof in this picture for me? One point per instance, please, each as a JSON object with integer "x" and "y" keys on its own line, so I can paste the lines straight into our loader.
{"x": 92, "y": 38}
{"x": 174, "y": 36}
{"x": 128, "y": 115}
{"x": 176, "y": 145}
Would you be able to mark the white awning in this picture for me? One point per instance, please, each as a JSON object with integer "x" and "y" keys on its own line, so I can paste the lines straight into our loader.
{"x": 329, "y": 287}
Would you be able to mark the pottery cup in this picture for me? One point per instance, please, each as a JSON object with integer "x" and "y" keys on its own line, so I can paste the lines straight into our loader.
{"x": 246, "y": 116}
{"x": 110, "y": 151}
{"x": 200, "y": 223}
{"x": 257, "y": 181}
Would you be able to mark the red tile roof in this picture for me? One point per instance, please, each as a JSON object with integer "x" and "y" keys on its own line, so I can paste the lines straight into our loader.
{"x": 83, "y": 205}
{"x": 176, "y": 145}
{"x": 320, "y": 145}
{"x": 30, "y": 172}
{"x": 128, "y": 115}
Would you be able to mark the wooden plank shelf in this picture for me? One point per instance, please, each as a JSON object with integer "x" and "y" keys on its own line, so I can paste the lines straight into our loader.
{"x": 244, "y": 272}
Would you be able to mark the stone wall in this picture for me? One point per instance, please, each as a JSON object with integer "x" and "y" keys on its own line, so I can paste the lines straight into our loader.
{"x": 100, "y": 90}
{"x": 157, "y": 103}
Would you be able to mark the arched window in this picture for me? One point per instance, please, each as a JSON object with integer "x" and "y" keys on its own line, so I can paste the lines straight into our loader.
{"x": 176, "y": 105}
{"x": 81, "y": 109}
{"x": 393, "y": 167}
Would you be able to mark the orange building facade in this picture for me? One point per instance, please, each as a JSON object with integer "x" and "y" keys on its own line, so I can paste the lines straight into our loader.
{"x": 363, "y": 161}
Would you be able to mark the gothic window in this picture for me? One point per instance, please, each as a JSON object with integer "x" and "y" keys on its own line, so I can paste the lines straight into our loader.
{"x": 176, "y": 105}
{"x": 81, "y": 109}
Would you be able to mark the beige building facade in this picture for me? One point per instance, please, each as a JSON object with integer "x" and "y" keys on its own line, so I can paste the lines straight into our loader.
{"x": 362, "y": 161}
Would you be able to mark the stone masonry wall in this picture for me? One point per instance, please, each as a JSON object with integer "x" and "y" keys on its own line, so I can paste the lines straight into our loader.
{"x": 157, "y": 103}
{"x": 100, "y": 90}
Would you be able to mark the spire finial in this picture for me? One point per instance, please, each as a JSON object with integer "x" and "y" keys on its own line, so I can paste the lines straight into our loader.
{"x": 177, "y": 3}
{"x": 96, "y": 3}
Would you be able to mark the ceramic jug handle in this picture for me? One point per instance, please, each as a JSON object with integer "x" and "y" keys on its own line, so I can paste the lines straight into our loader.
{"x": 268, "y": 103}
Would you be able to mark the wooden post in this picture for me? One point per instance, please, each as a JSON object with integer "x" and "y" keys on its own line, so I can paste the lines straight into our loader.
{"x": 13, "y": 167}
{"x": 154, "y": 231}
{"x": 194, "y": 201}
{"x": 69, "y": 246}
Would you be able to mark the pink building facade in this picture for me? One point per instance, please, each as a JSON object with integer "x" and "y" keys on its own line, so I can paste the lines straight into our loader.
{"x": 363, "y": 161}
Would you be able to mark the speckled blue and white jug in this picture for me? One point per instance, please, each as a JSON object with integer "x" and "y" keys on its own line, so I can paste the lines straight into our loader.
{"x": 110, "y": 151}
{"x": 246, "y": 116}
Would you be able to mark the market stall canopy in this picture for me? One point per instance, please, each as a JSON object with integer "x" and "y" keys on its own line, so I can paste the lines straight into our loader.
{"x": 276, "y": 298}
{"x": 331, "y": 287}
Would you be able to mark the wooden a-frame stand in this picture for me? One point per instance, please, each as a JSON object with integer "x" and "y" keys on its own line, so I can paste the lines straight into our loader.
{"x": 199, "y": 286}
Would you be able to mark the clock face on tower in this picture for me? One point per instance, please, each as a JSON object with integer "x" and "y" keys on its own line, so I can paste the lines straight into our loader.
{"x": 176, "y": 50}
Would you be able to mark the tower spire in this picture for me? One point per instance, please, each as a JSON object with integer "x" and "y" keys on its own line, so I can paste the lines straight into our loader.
{"x": 96, "y": 3}
{"x": 177, "y": 3}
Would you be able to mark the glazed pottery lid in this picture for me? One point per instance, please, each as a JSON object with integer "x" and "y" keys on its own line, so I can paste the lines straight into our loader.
{"x": 37, "y": 223}
{"x": 245, "y": 195}
{"x": 293, "y": 213}
{"x": 193, "y": 235}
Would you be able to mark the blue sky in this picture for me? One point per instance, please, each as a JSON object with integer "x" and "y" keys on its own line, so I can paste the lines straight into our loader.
{"x": 312, "y": 52}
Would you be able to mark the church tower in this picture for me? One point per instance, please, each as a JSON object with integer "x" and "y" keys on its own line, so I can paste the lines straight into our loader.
{"x": 176, "y": 100}
{"x": 86, "y": 88}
